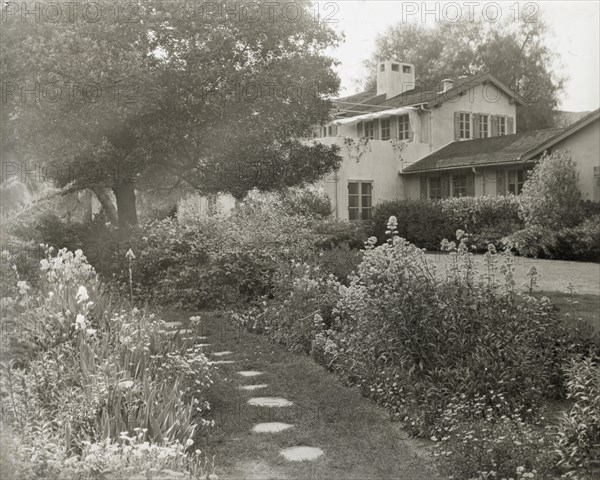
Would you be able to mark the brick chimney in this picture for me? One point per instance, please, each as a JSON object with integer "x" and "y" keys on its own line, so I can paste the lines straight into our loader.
{"x": 394, "y": 78}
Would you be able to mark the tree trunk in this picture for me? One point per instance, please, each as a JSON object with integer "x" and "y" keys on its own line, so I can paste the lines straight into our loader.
{"x": 125, "y": 195}
{"x": 107, "y": 204}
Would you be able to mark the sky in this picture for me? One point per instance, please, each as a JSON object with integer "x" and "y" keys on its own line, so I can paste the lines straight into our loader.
{"x": 575, "y": 26}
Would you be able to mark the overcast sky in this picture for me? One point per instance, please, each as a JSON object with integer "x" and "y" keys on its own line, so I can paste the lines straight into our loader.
{"x": 575, "y": 25}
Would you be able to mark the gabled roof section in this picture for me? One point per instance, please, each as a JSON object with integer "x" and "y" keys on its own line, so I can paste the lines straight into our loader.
{"x": 566, "y": 132}
{"x": 505, "y": 149}
{"x": 370, "y": 102}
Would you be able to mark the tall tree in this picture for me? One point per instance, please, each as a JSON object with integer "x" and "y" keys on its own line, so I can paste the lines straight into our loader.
{"x": 118, "y": 97}
{"x": 515, "y": 53}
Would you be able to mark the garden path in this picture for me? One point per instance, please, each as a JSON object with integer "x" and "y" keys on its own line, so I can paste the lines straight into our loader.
{"x": 349, "y": 436}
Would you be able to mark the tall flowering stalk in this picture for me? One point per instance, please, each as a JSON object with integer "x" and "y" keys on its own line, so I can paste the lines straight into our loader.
{"x": 130, "y": 257}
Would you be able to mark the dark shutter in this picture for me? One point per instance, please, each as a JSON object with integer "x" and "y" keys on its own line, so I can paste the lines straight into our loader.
{"x": 376, "y": 129}
{"x": 470, "y": 184}
{"x": 456, "y": 125}
{"x": 510, "y": 125}
{"x": 359, "y": 130}
{"x": 475, "y": 125}
{"x": 423, "y": 186}
{"x": 494, "y": 126}
{"x": 445, "y": 183}
{"x": 500, "y": 182}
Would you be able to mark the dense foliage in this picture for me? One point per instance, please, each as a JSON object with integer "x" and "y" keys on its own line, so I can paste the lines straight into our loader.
{"x": 550, "y": 196}
{"x": 90, "y": 386}
{"x": 160, "y": 94}
{"x": 427, "y": 222}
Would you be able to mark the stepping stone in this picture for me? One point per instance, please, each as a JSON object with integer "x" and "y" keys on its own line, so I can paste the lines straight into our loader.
{"x": 203, "y": 345}
{"x": 173, "y": 324}
{"x": 250, "y": 373}
{"x": 271, "y": 427}
{"x": 299, "y": 454}
{"x": 220, "y": 354}
{"x": 221, "y": 362}
{"x": 269, "y": 402}
{"x": 253, "y": 387}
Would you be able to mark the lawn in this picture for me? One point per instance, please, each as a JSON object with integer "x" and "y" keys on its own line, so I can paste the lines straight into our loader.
{"x": 359, "y": 440}
{"x": 555, "y": 275}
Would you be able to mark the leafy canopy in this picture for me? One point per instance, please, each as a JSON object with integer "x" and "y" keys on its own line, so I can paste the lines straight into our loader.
{"x": 514, "y": 52}
{"x": 163, "y": 94}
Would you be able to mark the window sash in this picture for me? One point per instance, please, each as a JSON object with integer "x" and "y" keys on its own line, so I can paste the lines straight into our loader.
{"x": 484, "y": 126}
{"x": 435, "y": 187}
{"x": 360, "y": 200}
{"x": 369, "y": 130}
{"x": 385, "y": 129}
{"x": 501, "y": 125}
{"x": 403, "y": 127}
{"x": 464, "y": 122}
{"x": 459, "y": 185}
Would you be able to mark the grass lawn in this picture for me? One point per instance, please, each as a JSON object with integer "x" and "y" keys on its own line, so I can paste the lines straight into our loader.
{"x": 555, "y": 275}
{"x": 358, "y": 438}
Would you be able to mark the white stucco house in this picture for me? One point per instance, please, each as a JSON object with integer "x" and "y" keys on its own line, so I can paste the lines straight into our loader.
{"x": 405, "y": 141}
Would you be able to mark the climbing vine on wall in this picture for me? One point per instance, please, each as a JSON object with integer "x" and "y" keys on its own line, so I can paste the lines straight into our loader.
{"x": 356, "y": 147}
{"x": 398, "y": 146}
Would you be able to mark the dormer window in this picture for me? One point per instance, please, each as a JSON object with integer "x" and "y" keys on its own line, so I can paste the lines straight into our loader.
{"x": 395, "y": 67}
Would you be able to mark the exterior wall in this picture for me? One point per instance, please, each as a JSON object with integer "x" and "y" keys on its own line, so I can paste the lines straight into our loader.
{"x": 378, "y": 162}
{"x": 486, "y": 99}
{"x": 584, "y": 147}
{"x": 487, "y": 181}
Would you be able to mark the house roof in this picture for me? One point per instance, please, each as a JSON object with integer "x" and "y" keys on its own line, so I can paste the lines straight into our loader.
{"x": 567, "y": 132}
{"x": 503, "y": 149}
{"x": 369, "y": 101}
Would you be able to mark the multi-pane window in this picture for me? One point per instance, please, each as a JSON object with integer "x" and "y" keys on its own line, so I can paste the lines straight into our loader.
{"x": 515, "y": 180}
{"x": 484, "y": 126}
{"x": 385, "y": 129}
{"x": 459, "y": 185}
{"x": 369, "y": 130}
{"x": 464, "y": 125}
{"x": 403, "y": 127}
{"x": 360, "y": 200}
{"x": 501, "y": 125}
{"x": 332, "y": 130}
{"x": 435, "y": 187}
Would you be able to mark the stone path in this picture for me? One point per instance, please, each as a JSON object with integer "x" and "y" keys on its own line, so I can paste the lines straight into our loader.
{"x": 280, "y": 416}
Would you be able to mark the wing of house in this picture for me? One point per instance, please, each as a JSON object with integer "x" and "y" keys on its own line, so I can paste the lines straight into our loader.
{"x": 382, "y": 132}
{"x": 499, "y": 165}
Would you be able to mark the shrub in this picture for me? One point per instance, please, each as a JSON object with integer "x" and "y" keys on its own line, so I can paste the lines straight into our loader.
{"x": 504, "y": 448}
{"x": 426, "y": 223}
{"x": 578, "y": 440}
{"x": 581, "y": 242}
{"x": 550, "y": 196}
{"x": 411, "y": 338}
{"x": 421, "y": 222}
